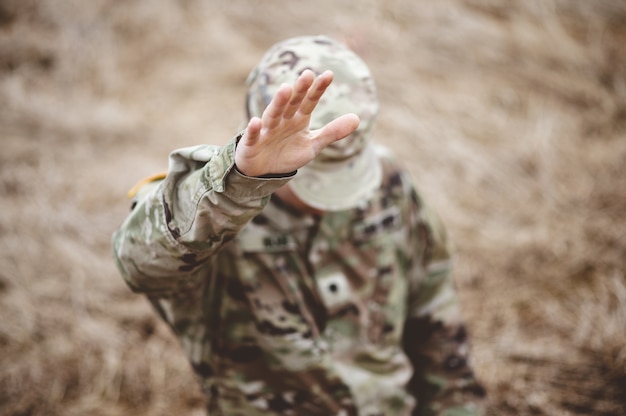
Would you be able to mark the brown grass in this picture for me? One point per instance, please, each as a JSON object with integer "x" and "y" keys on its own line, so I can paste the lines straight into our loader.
{"x": 510, "y": 114}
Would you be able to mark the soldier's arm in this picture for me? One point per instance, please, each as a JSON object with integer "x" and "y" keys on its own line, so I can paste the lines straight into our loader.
{"x": 435, "y": 337}
{"x": 176, "y": 224}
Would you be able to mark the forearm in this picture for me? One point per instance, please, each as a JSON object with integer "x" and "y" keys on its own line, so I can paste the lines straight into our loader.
{"x": 438, "y": 345}
{"x": 444, "y": 382}
{"x": 175, "y": 228}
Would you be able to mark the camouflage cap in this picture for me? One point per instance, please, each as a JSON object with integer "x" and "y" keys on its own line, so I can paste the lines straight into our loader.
{"x": 347, "y": 171}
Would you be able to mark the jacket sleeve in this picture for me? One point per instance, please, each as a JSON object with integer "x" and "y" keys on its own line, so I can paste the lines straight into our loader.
{"x": 435, "y": 337}
{"x": 177, "y": 224}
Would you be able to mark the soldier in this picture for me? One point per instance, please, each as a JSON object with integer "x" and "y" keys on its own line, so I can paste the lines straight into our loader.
{"x": 298, "y": 265}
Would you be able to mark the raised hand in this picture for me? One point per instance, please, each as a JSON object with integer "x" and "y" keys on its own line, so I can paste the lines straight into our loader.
{"x": 280, "y": 141}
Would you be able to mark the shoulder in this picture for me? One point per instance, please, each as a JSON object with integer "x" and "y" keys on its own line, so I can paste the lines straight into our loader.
{"x": 396, "y": 177}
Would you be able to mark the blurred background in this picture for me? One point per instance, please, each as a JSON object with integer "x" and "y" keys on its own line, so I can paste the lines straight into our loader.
{"x": 510, "y": 114}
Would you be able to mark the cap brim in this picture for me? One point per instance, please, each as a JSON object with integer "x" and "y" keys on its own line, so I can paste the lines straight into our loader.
{"x": 339, "y": 185}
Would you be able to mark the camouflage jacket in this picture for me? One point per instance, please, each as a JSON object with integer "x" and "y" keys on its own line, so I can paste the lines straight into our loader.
{"x": 350, "y": 313}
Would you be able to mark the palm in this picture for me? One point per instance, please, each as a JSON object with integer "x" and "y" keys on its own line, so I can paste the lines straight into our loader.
{"x": 280, "y": 141}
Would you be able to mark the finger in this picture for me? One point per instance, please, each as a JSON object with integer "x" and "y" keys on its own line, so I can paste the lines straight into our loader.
{"x": 337, "y": 129}
{"x": 315, "y": 92}
{"x": 300, "y": 88}
{"x": 253, "y": 131}
{"x": 274, "y": 112}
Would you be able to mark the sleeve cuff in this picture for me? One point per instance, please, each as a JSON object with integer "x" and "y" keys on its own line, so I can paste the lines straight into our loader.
{"x": 224, "y": 177}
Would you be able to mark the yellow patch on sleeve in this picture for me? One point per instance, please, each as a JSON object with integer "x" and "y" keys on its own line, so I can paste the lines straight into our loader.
{"x": 158, "y": 176}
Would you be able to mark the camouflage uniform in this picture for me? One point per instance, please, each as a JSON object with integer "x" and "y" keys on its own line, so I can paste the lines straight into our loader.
{"x": 348, "y": 313}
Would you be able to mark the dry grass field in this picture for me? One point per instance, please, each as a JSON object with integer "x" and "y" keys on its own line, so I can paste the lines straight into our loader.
{"x": 511, "y": 114}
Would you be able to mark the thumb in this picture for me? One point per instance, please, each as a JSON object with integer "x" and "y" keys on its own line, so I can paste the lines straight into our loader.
{"x": 337, "y": 129}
